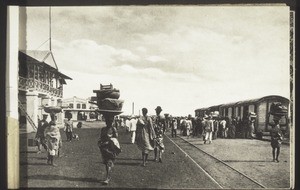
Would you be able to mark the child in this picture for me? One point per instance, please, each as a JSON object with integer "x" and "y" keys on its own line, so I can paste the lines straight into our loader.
{"x": 53, "y": 141}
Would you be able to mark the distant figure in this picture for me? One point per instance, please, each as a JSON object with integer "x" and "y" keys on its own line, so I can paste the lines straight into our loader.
{"x": 69, "y": 129}
{"x": 251, "y": 128}
{"x": 79, "y": 124}
{"x": 216, "y": 128}
{"x": 203, "y": 124}
{"x": 53, "y": 140}
{"x": 40, "y": 137}
{"x": 223, "y": 128}
{"x": 197, "y": 126}
{"x": 158, "y": 128}
{"x": 188, "y": 127}
{"x": 145, "y": 135}
{"x": 231, "y": 128}
{"x": 183, "y": 126}
{"x": 276, "y": 139}
{"x": 174, "y": 128}
{"x": 245, "y": 126}
{"x": 209, "y": 127}
{"x": 127, "y": 124}
{"x": 132, "y": 129}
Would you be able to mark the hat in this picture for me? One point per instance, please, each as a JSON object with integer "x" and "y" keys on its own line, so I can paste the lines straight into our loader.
{"x": 158, "y": 108}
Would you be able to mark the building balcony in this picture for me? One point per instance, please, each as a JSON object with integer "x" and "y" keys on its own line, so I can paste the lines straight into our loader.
{"x": 39, "y": 86}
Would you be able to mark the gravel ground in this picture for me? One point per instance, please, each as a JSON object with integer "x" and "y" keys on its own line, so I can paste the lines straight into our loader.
{"x": 80, "y": 166}
{"x": 253, "y": 158}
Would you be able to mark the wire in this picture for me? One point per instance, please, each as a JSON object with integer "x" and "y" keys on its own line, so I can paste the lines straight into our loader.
{"x": 43, "y": 43}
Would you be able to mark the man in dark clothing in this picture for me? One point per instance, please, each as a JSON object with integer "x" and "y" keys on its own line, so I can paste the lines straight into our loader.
{"x": 40, "y": 137}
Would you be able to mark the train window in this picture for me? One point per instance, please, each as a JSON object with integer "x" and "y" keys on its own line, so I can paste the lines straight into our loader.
{"x": 242, "y": 111}
{"x": 251, "y": 108}
{"x": 236, "y": 113}
{"x": 261, "y": 113}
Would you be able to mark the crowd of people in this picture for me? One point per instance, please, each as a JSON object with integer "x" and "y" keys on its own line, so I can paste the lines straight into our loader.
{"x": 147, "y": 132}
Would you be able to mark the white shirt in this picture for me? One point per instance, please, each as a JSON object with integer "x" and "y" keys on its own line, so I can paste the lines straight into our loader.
{"x": 223, "y": 124}
{"x": 127, "y": 123}
{"x": 132, "y": 125}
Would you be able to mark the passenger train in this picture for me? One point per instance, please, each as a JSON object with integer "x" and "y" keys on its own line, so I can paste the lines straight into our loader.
{"x": 260, "y": 106}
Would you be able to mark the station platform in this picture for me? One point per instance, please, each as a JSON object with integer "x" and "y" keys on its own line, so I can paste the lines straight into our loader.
{"x": 80, "y": 164}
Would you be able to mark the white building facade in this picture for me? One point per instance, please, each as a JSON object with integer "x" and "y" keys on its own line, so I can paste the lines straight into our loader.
{"x": 80, "y": 109}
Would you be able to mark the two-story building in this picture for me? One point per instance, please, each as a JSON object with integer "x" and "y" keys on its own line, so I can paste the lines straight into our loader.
{"x": 80, "y": 108}
{"x": 40, "y": 84}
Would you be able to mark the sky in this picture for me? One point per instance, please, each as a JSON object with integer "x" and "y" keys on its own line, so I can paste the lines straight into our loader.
{"x": 178, "y": 57}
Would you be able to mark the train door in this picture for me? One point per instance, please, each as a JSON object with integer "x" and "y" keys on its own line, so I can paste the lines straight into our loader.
{"x": 245, "y": 111}
{"x": 229, "y": 110}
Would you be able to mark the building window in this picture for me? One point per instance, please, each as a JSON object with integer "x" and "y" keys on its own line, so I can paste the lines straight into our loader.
{"x": 71, "y": 105}
{"x": 78, "y": 106}
{"x": 83, "y": 106}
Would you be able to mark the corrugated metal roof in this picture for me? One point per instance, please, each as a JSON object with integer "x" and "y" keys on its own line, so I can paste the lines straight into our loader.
{"x": 44, "y": 57}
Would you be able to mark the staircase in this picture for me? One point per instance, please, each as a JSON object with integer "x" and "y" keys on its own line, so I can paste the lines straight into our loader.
{"x": 27, "y": 116}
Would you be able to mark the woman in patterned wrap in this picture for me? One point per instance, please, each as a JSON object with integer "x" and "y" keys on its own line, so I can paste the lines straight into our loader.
{"x": 145, "y": 135}
{"x": 109, "y": 145}
{"x": 53, "y": 141}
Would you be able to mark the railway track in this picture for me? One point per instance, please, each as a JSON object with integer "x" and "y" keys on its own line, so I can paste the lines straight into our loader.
{"x": 225, "y": 176}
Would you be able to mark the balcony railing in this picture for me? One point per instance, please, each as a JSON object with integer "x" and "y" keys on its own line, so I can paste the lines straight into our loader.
{"x": 33, "y": 84}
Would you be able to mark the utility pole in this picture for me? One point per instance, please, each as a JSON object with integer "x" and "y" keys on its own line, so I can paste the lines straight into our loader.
{"x": 50, "y": 48}
{"x": 132, "y": 108}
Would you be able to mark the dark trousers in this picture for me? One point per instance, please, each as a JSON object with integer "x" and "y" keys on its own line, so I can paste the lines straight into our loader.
{"x": 174, "y": 132}
{"x": 69, "y": 135}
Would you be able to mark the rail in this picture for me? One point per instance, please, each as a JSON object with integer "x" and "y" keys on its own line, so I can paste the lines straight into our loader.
{"x": 221, "y": 162}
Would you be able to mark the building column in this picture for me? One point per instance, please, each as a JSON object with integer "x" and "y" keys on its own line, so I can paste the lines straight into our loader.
{"x": 32, "y": 110}
{"x": 12, "y": 123}
{"x": 74, "y": 115}
{"x": 87, "y": 115}
{"x": 60, "y": 116}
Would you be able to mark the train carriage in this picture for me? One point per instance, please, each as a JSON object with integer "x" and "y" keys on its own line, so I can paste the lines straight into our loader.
{"x": 260, "y": 106}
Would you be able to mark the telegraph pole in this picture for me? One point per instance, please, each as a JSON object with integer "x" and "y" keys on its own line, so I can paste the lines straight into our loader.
{"x": 50, "y": 29}
{"x": 132, "y": 108}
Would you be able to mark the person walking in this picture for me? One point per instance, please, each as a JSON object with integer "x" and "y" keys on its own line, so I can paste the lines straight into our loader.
{"x": 174, "y": 128}
{"x": 216, "y": 128}
{"x": 109, "y": 145}
{"x": 188, "y": 127}
{"x": 203, "y": 124}
{"x": 145, "y": 135}
{"x": 276, "y": 139}
{"x": 231, "y": 128}
{"x": 251, "y": 127}
{"x": 69, "y": 129}
{"x": 209, "y": 126}
{"x": 53, "y": 142}
{"x": 158, "y": 128}
{"x": 40, "y": 137}
{"x": 133, "y": 123}
{"x": 223, "y": 128}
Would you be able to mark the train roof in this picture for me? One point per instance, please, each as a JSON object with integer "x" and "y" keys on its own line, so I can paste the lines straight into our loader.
{"x": 249, "y": 101}
{"x": 261, "y": 99}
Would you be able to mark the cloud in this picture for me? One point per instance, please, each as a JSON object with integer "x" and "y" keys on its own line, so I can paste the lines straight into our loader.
{"x": 155, "y": 59}
{"x": 88, "y": 56}
{"x": 179, "y": 57}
